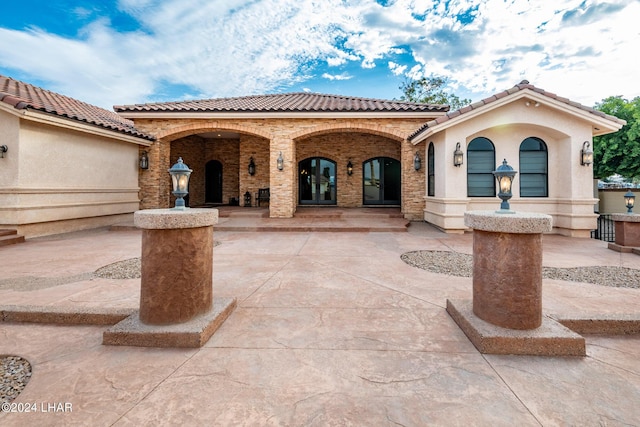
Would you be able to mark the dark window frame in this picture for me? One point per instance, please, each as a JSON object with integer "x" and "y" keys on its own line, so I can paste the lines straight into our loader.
{"x": 481, "y": 162}
{"x": 534, "y": 182}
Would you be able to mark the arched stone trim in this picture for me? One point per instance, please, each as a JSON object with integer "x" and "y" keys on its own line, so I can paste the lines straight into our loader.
{"x": 374, "y": 129}
{"x": 178, "y": 132}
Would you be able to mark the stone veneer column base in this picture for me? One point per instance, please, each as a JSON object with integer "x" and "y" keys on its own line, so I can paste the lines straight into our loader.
{"x": 550, "y": 339}
{"x": 192, "y": 334}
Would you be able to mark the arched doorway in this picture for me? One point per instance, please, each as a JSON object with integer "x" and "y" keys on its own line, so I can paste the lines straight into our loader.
{"x": 381, "y": 181}
{"x": 317, "y": 181}
{"x": 213, "y": 182}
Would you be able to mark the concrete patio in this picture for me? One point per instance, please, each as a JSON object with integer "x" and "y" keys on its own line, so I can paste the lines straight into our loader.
{"x": 330, "y": 329}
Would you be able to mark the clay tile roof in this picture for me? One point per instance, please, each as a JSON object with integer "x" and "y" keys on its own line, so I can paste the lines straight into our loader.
{"x": 523, "y": 85}
{"x": 24, "y": 96}
{"x": 288, "y": 102}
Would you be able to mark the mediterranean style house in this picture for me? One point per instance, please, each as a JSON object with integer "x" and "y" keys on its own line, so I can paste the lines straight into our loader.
{"x": 306, "y": 149}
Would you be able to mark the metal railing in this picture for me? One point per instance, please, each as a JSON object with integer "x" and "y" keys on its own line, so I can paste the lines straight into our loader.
{"x": 606, "y": 229}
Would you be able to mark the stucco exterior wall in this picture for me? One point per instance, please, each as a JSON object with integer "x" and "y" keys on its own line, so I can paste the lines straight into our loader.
{"x": 56, "y": 179}
{"x": 570, "y": 201}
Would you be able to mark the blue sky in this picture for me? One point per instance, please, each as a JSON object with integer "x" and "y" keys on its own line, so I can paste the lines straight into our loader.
{"x": 114, "y": 52}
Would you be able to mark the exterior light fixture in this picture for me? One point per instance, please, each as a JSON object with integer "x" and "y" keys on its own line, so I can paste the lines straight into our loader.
{"x": 144, "y": 160}
{"x": 629, "y": 201}
{"x": 417, "y": 161}
{"x": 349, "y": 168}
{"x": 180, "y": 179}
{"x": 458, "y": 156}
{"x": 280, "y": 162}
{"x": 504, "y": 174}
{"x": 252, "y": 167}
{"x": 586, "y": 155}
{"x": 3, "y": 149}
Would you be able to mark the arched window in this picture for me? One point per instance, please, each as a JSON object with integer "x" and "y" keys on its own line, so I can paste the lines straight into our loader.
{"x": 533, "y": 168}
{"x": 481, "y": 162}
{"x": 431, "y": 177}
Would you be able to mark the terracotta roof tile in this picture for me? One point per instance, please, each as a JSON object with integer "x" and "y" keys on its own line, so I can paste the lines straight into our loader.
{"x": 288, "y": 102}
{"x": 24, "y": 96}
{"x": 523, "y": 85}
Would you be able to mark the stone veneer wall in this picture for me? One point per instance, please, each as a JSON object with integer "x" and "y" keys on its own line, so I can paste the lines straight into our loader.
{"x": 342, "y": 147}
{"x": 265, "y": 138}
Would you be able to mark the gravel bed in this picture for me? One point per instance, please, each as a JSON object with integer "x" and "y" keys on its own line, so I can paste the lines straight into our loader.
{"x": 15, "y": 373}
{"x": 459, "y": 264}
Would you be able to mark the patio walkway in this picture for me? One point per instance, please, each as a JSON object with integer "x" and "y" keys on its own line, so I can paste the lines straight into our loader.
{"x": 330, "y": 329}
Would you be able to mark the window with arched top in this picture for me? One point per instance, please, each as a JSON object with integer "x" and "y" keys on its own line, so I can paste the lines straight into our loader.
{"x": 431, "y": 174}
{"x": 533, "y": 168}
{"x": 481, "y": 162}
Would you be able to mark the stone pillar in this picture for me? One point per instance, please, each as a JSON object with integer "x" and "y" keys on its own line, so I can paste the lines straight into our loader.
{"x": 627, "y": 228}
{"x": 507, "y": 267}
{"x": 177, "y": 264}
{"x": 282, "y": 182}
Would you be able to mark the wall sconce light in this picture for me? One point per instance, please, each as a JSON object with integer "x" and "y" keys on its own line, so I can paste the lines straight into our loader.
{"x": 144, "y": 160}
{"x": 629, "y": 201}
{"x": 180, "y": 179}
{"x": 252, "y": 167}
{"x": 417, "y": 161}
{"x": 586, "y": 154}
{"x": 280, "y": 162}
{"x": 349, "y": 168}
{"x": 458, "y": 156}
{"x": 3, "y": 149}
{"x": 504, "y": 174}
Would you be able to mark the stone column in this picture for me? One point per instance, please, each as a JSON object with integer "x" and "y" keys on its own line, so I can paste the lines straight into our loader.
{"x": 507, "y": 267}
{"x": 177, "y": 264}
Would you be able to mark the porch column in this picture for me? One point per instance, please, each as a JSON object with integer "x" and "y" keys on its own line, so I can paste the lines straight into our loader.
{"x": 282, "y": 182}
{"x": 154, "y": 183}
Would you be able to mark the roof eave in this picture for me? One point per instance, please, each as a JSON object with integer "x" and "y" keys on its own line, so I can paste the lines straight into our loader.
{"x": 600, "y": 125}
{"x": 73, "y": 124}
{"x": 278, "y": 114}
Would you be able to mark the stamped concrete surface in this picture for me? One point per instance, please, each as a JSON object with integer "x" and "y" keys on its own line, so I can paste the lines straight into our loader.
{"x": 330, "y": 329}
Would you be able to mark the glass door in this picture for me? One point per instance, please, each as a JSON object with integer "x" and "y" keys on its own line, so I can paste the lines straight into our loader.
{"x": 317, "y": 181}
{"x": 381, "y": 181}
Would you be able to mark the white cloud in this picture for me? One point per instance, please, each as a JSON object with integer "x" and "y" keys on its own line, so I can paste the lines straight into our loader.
{"x": 342, "y": 76}
{"x": 582, "y": 49}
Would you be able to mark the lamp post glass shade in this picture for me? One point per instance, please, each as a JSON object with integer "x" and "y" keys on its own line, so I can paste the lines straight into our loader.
{"x": 252, "y": 167}
{"x": 504, "y": 175}
{"x": 144, "y": 160}
{"x": 458, "y": 156}
{"x": 629, "y": 201}
{"x": 586, "y": 154}
{"x": 180, "y": 179}
{"x": 417, "y": 161}
{"x": 349, "y": 168}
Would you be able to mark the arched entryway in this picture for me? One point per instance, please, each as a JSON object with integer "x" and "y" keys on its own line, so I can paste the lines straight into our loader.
{"x": 317, "y": 181}
{"x": 381, "y": 181}
{"x": 213, "y": 182}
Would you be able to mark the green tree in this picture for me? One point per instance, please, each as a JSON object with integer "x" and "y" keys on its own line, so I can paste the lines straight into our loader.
{"x": 431, "y": 90}
{"x": 619, "y": 152}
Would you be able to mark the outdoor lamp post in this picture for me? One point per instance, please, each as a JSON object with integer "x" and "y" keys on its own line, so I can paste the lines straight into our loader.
{"x": 349, "y": 168}
{"x": 252, "y": 167}
{"x": 457, "y": 156}
{"x": 629, "y": 201}
{"x": 417, "y": 161}
{"x": 504, "y": 174}
{"x": 180, "y": 179}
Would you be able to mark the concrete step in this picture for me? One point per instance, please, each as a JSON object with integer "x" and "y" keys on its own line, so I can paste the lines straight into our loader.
{"x": 10, "y": 237}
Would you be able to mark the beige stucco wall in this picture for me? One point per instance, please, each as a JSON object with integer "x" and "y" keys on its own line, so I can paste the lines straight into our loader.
{"x": 570, "y": 200}
{"x": 55, "y": 179}
{"x": 612, "y": 200}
